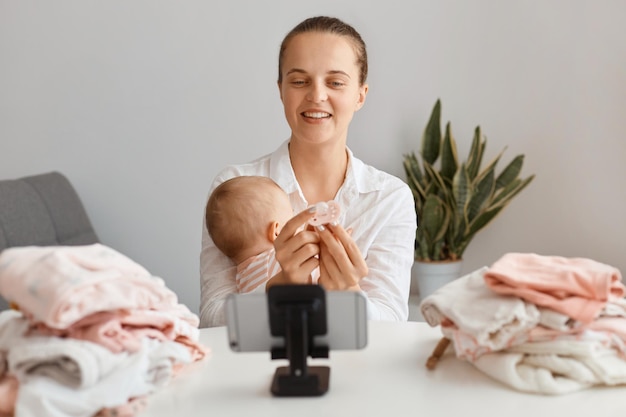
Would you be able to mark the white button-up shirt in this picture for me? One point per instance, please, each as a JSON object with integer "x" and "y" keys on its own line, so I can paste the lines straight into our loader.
{"x": 379, "y": 208}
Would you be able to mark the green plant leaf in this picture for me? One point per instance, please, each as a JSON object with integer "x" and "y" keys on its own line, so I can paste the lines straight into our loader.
{"x": 439, "y": 185}
{"x": 434, "y": 223}
{"x": 461, "y": 191}
{"x": 435, "y": 218}
{"x": 504, "y": 196}
{"x": 510, "y": 172}
{"x": 414, "y": 177}
{"x": 482, "y": 193}
{"x": 475, "y": 226}
{"x": 485, "y": 217}
{"x": 449, "y": 159}
{"x": 475, "y": 156}
{"x": 423, "y": 245}
{"x": 456, "y": 237}
{"x": 431, "y": 138}
{"x": 491, "y": 166}
{"x": 483, "y": 220}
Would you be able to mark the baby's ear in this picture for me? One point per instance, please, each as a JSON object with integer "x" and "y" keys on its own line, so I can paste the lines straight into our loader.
{"x": 272, "y": 231}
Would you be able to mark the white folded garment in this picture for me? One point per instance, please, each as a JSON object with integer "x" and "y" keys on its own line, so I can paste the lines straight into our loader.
{"x": 139, "y": 374}
{"x": 494, "y": 320}
{"x": 72, "y": 362}
{"x": 511, "y": 369}
{"x": 557, "y": 367}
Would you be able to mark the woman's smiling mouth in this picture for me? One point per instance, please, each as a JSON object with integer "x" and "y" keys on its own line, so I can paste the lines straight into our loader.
{"x": 316, "y": 115}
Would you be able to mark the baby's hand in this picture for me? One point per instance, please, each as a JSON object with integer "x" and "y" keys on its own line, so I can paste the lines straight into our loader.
{"x": 326, "y": 212}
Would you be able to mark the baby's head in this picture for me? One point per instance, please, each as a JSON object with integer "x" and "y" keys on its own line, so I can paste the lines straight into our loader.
{"x": 246, "y": 212}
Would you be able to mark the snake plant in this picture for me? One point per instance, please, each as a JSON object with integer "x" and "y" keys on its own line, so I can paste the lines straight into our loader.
{"x": 454, "y": 200}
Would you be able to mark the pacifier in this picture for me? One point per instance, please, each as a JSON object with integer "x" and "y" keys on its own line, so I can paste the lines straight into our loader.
{"x": 325, "y": 212}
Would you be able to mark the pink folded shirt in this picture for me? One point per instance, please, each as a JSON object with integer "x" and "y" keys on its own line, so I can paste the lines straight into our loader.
{"x": 576, "y": 287}
{"x": 59, "y": 285}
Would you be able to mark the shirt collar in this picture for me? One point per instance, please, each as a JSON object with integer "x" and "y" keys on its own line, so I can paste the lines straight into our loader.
{"x": 361, "y": 175}
{"x": 357, "y": 179}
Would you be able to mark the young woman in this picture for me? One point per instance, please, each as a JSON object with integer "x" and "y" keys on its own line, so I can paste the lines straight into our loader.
{"x": 322, "y": 73}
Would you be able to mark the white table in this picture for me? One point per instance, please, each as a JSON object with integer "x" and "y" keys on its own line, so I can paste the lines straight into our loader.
{"x": 388, "y": 378}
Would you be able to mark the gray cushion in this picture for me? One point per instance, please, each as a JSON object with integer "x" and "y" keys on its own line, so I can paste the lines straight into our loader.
{"x": 42, "y": 210}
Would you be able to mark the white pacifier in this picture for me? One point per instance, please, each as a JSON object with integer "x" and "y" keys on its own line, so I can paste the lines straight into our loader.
{"x": 325, "y": 212}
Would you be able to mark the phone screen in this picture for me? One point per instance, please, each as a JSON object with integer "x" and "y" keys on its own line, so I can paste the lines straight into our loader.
{"x": 248, "y": 327}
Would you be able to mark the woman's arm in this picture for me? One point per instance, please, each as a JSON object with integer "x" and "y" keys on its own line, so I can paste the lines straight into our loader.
{"x": 217, "y": 281}
{"x": 217, "y": 271}
{"x": 390, "y": 257}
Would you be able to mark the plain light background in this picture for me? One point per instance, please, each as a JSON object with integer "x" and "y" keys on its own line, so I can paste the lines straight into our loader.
{"x": 140, "y": 103}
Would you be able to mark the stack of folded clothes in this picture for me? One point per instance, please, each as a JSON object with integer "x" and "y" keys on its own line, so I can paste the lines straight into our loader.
{"x": 91, "y": 333}
{"x": 539, "y": 324}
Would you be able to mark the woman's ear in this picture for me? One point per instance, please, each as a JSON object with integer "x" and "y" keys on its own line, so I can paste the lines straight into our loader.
{"x": 272, "y": 231}
{"x": 362, "y": 96}
{"x": 280, "y": 90}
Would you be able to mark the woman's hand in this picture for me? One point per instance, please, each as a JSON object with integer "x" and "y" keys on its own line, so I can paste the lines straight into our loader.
{"x": 296, "y": 251}
{"x": 341, "y": 264}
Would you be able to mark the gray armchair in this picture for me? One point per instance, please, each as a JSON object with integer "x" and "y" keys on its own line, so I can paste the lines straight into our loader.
{"x": 42, "y": 210}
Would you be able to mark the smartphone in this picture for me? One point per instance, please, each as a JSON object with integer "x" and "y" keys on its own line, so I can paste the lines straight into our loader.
{"x": 248, "y": 326}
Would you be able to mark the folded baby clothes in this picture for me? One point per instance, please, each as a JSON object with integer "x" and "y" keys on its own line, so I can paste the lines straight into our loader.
{"x": 539, "y": 324}
{"x": 71, "y": 362}
{"x": 95, "y": 333}
{"x": 556, "y": 367}
{"x": 484, "y": 319}
{"x": 576, "y": 287}
{"x": 59, "y": 285}
{"x": 138, "y": 374}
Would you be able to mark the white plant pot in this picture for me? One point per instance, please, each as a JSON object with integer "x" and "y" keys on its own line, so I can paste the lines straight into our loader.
{"x": 428, "y": 277}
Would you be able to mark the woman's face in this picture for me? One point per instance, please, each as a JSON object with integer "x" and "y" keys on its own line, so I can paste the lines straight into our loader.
{"x": 320, "y": 89}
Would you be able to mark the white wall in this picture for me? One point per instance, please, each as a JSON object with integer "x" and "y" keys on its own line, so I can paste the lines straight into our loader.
{"x": 141, "y": 102}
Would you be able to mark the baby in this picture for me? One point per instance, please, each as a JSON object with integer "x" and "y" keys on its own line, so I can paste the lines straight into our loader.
{"x": 244, "y": 215}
